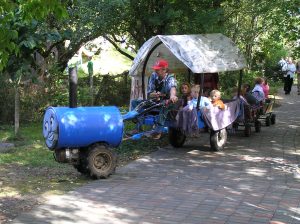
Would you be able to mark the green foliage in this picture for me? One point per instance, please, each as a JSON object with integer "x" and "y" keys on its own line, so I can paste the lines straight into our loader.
{"x": 54, "y": 91}
{"x": 264, "y": 31}
{"x": 258, "y": 26}
{"x": 6, "y": 99}
{"x": 112, "y": 90}
{"x": 228, "y": 82}
{"x": 15, "y": 21}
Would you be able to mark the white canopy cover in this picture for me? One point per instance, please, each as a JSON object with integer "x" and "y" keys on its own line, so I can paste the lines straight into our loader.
{"x": 201, "y": 53}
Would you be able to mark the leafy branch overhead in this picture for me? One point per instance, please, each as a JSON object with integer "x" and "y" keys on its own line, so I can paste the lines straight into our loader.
{"x": 41, "y": 26}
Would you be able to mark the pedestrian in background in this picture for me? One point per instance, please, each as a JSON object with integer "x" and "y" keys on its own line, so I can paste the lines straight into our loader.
{"x": 298, "y": 76}
{"x": 90, "y": 67}
{"x": 289, "y": 71}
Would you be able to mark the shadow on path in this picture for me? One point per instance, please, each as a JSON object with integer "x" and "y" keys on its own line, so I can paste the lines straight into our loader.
{"x": 254, "y": 180}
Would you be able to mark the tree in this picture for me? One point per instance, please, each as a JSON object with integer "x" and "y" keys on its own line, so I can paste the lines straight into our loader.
{"x": 127, "y": 24}
{"x": 22, "y": 13}
{"x": 251, "y": 22}
{"x": 20, "y": 38}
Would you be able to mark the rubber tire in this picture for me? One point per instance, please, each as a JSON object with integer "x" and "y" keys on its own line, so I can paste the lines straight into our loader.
{"x": 273, "y": 118}
{"x": 106, "y": 159}
{"x": 257, "y": 126}
{"x": 235, "y": 126}
{"x": 247, "y": 130}
{"x": 176, "y": 137}
{"x": 82, "y": 167}
{"x": 268, "y": 121}
{"x": 218, "y": 139}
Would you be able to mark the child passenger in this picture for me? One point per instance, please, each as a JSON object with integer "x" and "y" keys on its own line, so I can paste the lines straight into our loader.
{"x": 258, "y": 91}
{"x": 245, "y": 92}
{"x": 266, "y": 88}
{"x": 185, "y": 91}
{"x": 216, "y": 101}
{"x": 204, "y": 101}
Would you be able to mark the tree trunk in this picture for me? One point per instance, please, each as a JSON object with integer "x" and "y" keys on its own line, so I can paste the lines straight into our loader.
{"x": 17, "y": 111}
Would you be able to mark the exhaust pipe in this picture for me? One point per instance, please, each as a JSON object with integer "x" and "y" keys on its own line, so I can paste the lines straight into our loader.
{"x": 73, "y": 80}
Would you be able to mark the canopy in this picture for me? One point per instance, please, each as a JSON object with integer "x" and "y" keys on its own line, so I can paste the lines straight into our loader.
{"x": 207, "y": 53}
{"x": 201, "y": 53}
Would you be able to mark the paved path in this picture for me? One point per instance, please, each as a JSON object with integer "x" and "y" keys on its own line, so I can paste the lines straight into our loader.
{"x": 253, "y": 181}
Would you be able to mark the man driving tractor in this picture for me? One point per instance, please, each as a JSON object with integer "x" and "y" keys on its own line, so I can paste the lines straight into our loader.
{"x": 162, "y": 85}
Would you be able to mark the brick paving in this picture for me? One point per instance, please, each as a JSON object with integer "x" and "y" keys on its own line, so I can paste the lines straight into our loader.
{"x": 254, "y": 180}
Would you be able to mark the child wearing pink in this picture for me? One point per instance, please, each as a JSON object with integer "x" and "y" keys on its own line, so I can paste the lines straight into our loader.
{"x": 266, "y": 88}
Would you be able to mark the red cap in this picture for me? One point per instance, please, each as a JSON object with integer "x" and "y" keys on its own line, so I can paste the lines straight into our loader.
{"x": 160, "y": 64}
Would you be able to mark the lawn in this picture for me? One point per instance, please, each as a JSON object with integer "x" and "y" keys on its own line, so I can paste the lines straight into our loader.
{"x": 29, "y": 167}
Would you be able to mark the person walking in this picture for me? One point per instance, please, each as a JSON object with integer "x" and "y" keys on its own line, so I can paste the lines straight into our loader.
{"x": 289, "y": 70}
{"x": 90, "y": 67}
{"x": 298, "y": 76}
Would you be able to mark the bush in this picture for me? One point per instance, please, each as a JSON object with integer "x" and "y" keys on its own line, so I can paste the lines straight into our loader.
{"x": 53, "y": 90}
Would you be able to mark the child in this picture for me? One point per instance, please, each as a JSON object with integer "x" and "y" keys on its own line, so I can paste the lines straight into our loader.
{"x": 258, "y": 91}
{"x": 216, "y": 101}
{"x": 204, "y": 101}
{"x": 266, "y": 88}
{"x": 245, "y": 92}
{"x": 185, "y": 90}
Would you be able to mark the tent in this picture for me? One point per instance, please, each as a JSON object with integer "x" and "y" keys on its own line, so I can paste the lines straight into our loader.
{"x": 205, "y": 53}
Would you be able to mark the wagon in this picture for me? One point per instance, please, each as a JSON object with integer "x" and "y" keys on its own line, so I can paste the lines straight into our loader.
{"x": 190, "y": 55}
{"x": 252, "y": 116}
{"x": 248, "y": 118}
{"x": 266, "y": 114}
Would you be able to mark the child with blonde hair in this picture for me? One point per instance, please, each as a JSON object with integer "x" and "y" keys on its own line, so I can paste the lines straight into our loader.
{"x": 204, "y": 101}
{"x": 215, "y": 96}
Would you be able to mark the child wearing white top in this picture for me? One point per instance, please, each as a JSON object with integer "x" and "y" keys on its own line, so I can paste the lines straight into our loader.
{"x": 204, "y": 101}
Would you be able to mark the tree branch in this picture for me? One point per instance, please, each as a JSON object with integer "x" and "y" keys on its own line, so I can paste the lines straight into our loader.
{"x": 118, "y": 48}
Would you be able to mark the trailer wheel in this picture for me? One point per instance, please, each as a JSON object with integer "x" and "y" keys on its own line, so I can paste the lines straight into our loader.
{"x": 247, "y": 130}
{"x": 273, "y": 118}
{"x": 235, "y": 126}
{"x": 101, "y": 161}
{"x": 257, "y": 126}
{"x": 218, "y": 139}
{"x": 268, "y": 121}
{"x": 176, "y": 137}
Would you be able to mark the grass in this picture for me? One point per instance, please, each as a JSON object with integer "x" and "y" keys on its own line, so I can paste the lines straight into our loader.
{"x": 29, "y": 167}
{"x": 29, "y": 146}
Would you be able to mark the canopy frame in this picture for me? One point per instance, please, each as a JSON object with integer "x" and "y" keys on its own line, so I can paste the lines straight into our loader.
{"x": 145, "y": 65}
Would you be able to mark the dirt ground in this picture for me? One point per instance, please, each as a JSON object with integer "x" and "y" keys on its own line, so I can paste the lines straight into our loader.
{"x": 23, "y": 187}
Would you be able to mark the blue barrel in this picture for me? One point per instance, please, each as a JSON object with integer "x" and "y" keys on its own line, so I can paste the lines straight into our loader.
{"x": 65, "y": 127}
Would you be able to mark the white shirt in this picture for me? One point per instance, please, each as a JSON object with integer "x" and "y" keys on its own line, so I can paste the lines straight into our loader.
{"x": 282, "y": 63}
{"x": 258, "y": 92}
{"x": 290, "y": 69}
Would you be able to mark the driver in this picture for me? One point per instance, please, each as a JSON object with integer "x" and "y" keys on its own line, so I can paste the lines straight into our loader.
{"x": 162, "y": 84}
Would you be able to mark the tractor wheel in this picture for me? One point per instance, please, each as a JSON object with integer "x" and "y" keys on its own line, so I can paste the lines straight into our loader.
{"x": 273, "y": 118}
{"x": 81, "y": 167}
{"x": 257, "y": 126}
{"x": 247, "y": 130}
{"x": 218, "y": 139}
{"x": 101, "y": 161}
{"x": 268, "y": 121}
{"x": 176, "y": 137}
